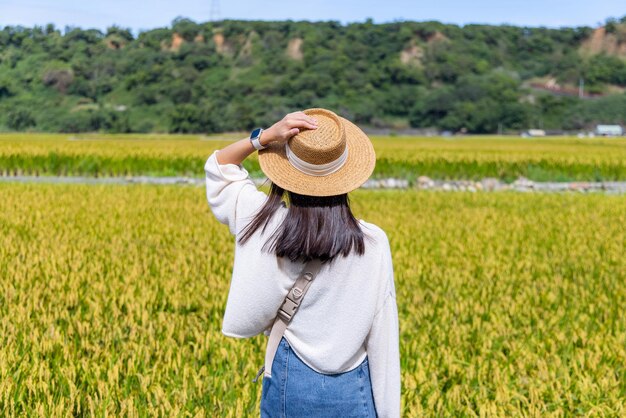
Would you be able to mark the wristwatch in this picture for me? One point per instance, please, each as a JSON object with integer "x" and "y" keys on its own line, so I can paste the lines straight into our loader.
{"x": 255, "y": 139}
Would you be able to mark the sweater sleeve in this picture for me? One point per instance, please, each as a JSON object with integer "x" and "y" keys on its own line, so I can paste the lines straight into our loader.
{"x": 383, "y": 351}
{"x": 230, "y": 192}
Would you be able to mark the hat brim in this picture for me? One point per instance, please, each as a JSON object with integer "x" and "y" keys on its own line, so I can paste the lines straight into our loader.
{"x": 356, "y": 170}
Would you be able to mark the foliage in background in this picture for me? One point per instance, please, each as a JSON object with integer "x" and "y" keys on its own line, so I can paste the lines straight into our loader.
{"x": 234, "y": 75}
{"x": 112, "y": 297}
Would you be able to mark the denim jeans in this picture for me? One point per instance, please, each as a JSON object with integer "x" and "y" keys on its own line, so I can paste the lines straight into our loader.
{"x": 296, "y": 390}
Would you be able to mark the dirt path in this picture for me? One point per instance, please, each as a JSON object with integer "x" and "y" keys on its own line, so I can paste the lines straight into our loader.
{"x": 423, "y": 183}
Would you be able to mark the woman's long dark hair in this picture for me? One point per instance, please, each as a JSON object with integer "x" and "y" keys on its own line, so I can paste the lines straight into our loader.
{"x": 320, "y": 227}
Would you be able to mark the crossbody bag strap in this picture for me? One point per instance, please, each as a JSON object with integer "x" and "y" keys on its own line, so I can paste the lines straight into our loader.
{"x": 286, "y": 312}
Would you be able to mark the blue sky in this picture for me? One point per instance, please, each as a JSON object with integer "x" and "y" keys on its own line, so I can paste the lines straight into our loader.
{"x": 143, "y": 14}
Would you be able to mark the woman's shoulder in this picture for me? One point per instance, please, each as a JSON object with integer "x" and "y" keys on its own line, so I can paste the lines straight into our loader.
{"x": 374, "y": 231}
{"x": 370, "y": 227}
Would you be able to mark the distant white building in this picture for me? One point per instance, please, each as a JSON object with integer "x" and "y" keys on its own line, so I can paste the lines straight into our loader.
{"x": 609, "y": 130}
{"x": 533, "y": 133}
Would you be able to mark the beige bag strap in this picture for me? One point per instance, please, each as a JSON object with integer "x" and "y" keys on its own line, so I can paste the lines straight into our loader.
{"x": 286, "y": 311}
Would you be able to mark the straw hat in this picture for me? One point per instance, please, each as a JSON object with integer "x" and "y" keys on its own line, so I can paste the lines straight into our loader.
{"x": 333, "y": 159}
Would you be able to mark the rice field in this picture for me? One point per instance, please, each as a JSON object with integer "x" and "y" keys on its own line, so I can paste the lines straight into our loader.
{"x": 111, "y": 299}
{"x": 467, "y": 158}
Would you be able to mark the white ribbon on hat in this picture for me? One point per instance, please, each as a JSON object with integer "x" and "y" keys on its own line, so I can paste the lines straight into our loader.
{"x": 316, "y": 169}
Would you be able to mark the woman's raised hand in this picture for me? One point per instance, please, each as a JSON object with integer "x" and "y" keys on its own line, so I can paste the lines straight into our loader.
{"x": 281, "y": 131}
{"x": 287, "y": 127}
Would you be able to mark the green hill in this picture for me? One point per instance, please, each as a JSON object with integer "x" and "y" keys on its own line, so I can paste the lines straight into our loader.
{"x": 233, "y": 75}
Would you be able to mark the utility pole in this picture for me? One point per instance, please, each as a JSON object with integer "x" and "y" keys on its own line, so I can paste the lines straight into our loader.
{"x": 581, "y": 88}
{"x": 214, "y": 14}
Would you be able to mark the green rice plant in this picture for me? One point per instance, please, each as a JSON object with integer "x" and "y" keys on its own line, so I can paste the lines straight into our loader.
{"x": 472, "y": 158}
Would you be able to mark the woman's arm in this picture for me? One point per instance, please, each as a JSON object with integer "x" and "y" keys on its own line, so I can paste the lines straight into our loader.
{"x": 282, "y": 130}
{"x": 231, "y": 193}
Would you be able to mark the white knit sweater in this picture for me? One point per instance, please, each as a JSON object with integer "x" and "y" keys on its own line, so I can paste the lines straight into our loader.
{"x": 349, "y": 311}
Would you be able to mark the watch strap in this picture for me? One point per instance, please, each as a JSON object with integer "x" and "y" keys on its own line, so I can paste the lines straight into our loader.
{"x": 256, "y": 140}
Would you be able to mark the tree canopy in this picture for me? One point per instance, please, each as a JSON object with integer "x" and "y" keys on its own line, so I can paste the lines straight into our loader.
{"x": 232, "y": 75}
